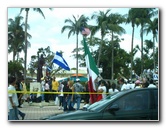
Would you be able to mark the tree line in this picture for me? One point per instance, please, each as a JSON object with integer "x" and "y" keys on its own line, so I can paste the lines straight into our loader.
{"x": 114, "y": 60}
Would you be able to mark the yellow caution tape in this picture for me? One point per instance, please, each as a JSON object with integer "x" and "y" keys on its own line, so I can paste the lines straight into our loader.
{"x": 32, "y": 92}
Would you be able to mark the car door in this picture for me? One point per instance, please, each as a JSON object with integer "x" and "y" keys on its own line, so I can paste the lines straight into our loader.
{"x": 132, "y": 106}
{"x": 154, "y": 104}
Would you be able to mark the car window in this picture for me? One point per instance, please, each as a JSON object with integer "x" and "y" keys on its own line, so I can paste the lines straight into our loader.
{"x": 155, "y": 99}
{"x": 98, "y": 105}
{"x": 138, "y": 100}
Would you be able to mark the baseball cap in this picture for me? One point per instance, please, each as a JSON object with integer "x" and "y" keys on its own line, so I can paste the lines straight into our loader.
{"x": 138, "y": 82}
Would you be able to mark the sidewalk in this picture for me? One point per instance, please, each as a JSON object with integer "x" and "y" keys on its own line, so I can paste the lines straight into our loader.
{"x": 35, "y": 111}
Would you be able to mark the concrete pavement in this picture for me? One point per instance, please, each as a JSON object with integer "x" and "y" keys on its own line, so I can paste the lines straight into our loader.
{"x": 35, "y": 111}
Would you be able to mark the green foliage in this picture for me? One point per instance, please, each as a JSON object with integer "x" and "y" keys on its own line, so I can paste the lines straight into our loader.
{"x": 48, "y": 56}
{"x": 15, "y": 68}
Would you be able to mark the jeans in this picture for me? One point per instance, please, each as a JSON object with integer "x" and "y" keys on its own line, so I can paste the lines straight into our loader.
{"x": 78, "y": 101}
{"x": 65, "y": 104}
{"x": 42, "y": 95}
{"x": 69, "y": 103}
{"x": 13, "y": 114}
{"x": 46, "y": 96}
{"x": 61, "y": 101}
{"x": 21, "y": 113}
{"x": 54, "y": 95}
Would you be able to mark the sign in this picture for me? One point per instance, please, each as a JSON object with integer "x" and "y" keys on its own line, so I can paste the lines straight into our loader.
{"x": 34, "y": 86}
{"x": 155, "y": 76}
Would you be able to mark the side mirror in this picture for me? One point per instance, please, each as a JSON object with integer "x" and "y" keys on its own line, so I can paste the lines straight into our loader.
{"x": 114, "y": 107}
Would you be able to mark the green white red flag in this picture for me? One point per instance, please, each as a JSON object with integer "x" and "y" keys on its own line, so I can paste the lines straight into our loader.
{"x": 93, "y": 72}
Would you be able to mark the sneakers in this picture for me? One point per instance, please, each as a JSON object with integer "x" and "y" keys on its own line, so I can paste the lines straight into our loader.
{"x": 19, "y": 106}
{"x": 60, "y": 108}
{"x": 23, "y": 116}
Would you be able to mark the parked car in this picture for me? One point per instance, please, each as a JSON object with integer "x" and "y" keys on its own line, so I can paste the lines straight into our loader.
{"x": 133, "y": 104}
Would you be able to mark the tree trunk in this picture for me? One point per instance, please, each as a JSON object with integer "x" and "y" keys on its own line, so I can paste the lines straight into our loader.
{"x": 100, "y": 49}
{"x": 25, "y": 48}
{"x": 142, "y": 59}
{"x": 154, "y": 53}
{"x": 112, "y": 62}
{"x": 132, "y": 40}
{"x": 76, "y": 56}
{"x": 14, "y": 54}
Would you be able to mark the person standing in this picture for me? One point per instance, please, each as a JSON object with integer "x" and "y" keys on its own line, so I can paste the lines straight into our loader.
{"x": 25, "y": 96}
{"x": 47, "y": 89}
{"x": 101, "y": 90}
{"x": 55, "y": 85}
{"x": 12, "y": 99}
{"x": 41, "y": 63}
{"x": 77, "y": 88}
{"x": 19, "y": 96}
{"x": 113, "y": 89}
{"x": 51, "y": 96}
{"x": 151, "y": 84}
{"x": 108, "y": 86}
{"x": 42, "y": 87}
{"x": 87, "y": 96}
{"x": 65, "y": 95}
{"x": 123, "y": 84}
{"x": 69, "y": 96}
{"x": 61, "y": 96}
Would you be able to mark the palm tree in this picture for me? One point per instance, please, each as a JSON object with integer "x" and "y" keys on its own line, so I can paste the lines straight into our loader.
{"x": 102, "y": 21}
{"x": 114, "y": 27}
{"x": 132, "y": 18}
{"x": 152, "y": 26}
{"x": 144, "y": 15}
{"x": 74, "y": 27}
{"x": 16, "y": 36}
{"x": 26, "y": 22}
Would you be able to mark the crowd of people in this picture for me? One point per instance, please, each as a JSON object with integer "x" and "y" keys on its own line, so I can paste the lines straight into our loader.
{"x": 67, "y": 94}
{"x": 107, "y": 88}
{"x": 62, "y": 92}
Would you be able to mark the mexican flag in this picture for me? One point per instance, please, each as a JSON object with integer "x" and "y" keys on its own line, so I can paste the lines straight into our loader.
{"x": 92, "y": 72}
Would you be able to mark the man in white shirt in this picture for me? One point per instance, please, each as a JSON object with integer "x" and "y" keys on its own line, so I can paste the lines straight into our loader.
{"x": 124, "y": 86}
{"x": 151, "y": 85}
{"x": 12, "y": 99}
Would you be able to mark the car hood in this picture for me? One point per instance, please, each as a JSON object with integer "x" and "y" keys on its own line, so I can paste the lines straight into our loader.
{"x": 76, "y": 115}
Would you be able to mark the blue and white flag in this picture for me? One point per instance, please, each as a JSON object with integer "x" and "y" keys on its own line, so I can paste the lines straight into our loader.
{"x": 49, "y": 69}
{"x": 59, "y": 60}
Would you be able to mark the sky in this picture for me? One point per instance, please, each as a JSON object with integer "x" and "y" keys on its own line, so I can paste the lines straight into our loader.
{"x": 47, "y": 32}
{"x": 72, "y": 3}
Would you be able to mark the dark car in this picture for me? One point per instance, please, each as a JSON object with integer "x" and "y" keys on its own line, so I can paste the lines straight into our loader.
{"x": 134, "y": 104}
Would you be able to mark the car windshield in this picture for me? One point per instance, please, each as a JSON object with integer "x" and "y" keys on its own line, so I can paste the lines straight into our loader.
{"x": 100, "y": 104}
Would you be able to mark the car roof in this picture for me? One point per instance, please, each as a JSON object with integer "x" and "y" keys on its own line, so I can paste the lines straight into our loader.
{"x": 137, "y": 89}
{"x": 131, "y": 90}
